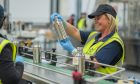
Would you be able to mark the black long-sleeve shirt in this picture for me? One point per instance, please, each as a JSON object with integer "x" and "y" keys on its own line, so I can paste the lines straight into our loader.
{"x": 8, "y": 72}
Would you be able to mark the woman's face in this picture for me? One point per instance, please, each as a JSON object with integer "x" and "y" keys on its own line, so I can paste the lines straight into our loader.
{"x": 101, "y": 23}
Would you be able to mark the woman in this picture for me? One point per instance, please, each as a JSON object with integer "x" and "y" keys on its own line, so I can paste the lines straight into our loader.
{"x": 104, "y": 45}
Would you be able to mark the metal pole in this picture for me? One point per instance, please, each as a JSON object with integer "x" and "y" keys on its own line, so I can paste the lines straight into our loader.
{"x": 54, "y": 7}
{"x": 6, "y": 8}
{"x": 78, "y": 10}
{"x": 124, "y": 15}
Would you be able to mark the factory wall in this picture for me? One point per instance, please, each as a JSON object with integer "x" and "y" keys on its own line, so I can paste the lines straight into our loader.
{"x": 30, "y": 10}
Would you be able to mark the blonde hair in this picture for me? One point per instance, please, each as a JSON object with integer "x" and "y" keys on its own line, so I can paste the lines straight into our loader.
{"x": 113, "y": 23}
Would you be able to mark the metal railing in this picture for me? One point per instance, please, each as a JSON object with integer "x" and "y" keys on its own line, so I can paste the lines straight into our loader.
{"x": 105, "y": 76}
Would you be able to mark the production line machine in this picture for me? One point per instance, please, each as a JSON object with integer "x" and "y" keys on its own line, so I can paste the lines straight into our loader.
{"x": 49, "y": 70}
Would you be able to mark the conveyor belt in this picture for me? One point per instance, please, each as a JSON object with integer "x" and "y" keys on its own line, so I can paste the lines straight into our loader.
{"x": 44, "y": 73}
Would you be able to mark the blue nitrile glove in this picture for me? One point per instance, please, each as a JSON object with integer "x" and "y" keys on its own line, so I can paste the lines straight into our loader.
{"x": 19, "y": 59}
{"x": 67, "y": 45}
{"x": 56, "y": 14}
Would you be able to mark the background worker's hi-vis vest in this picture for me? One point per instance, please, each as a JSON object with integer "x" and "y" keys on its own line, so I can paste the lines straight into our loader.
{"x": 81, "y": 24}
{"x": 91, "y": 50}
{"x": 3, "y": 43}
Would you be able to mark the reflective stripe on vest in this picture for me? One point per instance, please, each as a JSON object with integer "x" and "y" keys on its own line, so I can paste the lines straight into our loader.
{"x": 90, "y": 50}
{"x": 81, "y": 24}
{"x": 3, "y": 43}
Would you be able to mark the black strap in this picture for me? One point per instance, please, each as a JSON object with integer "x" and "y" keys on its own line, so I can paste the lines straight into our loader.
{"x": 1, "y": 21}
{"x": 3, "y": 36}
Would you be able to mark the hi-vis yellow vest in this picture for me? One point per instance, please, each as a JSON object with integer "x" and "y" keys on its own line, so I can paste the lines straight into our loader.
{"x": 3, "y": 43}
{"x": 81, "y": 24}
{"x": 90, "y": 50}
